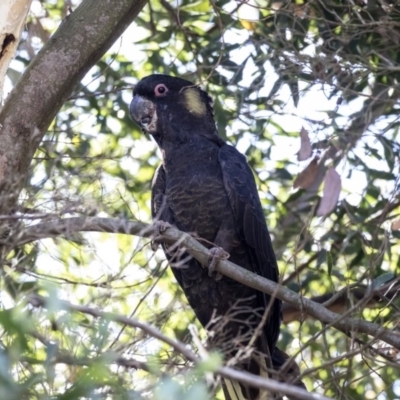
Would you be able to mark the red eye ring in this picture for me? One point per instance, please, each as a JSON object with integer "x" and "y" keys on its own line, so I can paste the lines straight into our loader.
{"x": 160, "y": 90}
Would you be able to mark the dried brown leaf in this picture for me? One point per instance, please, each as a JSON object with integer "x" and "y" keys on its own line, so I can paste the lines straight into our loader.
{"x": 305, "y": 151}
{"x": 307, "y": 177}
{"x": 396, "y": 225}
{"x": 331, "y": 192}
{"x": 300, "y": 10}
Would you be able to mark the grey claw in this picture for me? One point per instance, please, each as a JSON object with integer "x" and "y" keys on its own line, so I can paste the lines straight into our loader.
{"x": 215, "y": 254}
{"x": 159, "y": 228}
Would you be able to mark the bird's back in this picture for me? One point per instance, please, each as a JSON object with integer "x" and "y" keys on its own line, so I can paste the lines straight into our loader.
{"x": 196, "y": 195}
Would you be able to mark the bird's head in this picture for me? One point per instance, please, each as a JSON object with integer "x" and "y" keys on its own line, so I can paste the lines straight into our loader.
{"x": 170, "y": 109}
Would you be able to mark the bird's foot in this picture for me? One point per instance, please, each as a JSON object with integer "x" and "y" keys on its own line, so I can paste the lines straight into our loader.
{"x": 215, "y": 254}
{"x": 159, "y": 228}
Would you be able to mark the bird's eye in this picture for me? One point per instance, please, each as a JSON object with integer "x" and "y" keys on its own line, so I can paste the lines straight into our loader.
{"x": 160, "y": 90}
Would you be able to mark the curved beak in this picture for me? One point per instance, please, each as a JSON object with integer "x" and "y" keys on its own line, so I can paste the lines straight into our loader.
{"x": 143, "y": 112}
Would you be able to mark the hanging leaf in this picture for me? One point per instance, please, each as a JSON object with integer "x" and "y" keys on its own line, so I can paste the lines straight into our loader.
{"x": 329, "y": 261}
{"x": 305, "y": 151}
{"x": 382, "y": 279}
{"x": 330, "y": 195}
{"x": 307, "y": 177}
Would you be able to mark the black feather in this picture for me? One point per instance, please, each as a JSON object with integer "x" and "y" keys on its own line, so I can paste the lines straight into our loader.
{"x": 205, "y": 186}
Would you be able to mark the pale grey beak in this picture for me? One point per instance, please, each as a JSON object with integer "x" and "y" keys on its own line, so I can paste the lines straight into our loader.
{"x": 142, "y": 111}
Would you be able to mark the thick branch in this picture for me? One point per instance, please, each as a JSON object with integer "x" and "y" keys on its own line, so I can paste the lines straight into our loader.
{"x": 226, "y": 372}
{"x": 82, "y": 38}
{"x": 339, "y": 302}
{"x": 198, "y": 251}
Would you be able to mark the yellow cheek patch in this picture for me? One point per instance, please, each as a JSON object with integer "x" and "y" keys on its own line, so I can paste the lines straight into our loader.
{"x": 193, "y": 102}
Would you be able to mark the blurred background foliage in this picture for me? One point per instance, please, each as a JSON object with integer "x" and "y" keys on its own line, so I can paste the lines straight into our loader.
{"x": 274, "y": 68}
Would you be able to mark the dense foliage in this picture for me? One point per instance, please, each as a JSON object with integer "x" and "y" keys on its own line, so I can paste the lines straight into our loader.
{"x": 328, "y": 70}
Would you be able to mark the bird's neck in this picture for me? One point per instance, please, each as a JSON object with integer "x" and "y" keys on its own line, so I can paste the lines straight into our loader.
{"x": 197, "y": 150}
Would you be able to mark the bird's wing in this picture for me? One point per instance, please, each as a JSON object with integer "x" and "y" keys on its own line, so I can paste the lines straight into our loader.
{"x": 251, "y": 227}
{"x": 158, "y": 193}
{"x": 160, "y": 210}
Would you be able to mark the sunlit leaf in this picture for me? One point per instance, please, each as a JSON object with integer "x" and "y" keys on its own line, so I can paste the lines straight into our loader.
{"x": 305, "y": 151}
{"x": 331, "y": 192}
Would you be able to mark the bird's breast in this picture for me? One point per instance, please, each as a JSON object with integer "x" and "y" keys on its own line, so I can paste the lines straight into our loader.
{"x": 197, "y": 198}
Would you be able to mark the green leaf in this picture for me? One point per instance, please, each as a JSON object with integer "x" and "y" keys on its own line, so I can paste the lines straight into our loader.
{"x": 382, "y": 279}
{"x": 211, "y": 363}
{"x": 329, "y": 261}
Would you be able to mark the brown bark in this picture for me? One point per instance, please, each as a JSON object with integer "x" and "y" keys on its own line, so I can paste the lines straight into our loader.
{"x": 81, "y": 39}
{"x": 341, "y": 302}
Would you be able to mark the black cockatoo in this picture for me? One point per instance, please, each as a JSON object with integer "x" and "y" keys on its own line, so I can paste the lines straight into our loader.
{"x": 204, "y": 186}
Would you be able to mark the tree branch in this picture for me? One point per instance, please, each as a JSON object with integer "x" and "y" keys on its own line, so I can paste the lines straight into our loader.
{"x": 197, "y": 250}
{"x": 226, "y": 372}
{"x": 105, "y": 359}
{"x": 81, "y": 39}
{"x": 339, "y": 302}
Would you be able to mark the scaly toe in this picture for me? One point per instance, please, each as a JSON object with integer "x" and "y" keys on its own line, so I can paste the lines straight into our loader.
{"x": 159, "y": 228}
{"x": 215, "y": 254}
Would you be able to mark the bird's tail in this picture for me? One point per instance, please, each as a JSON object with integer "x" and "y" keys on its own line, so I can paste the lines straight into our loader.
{"x": 233, "y": 390}
{"x": 284, "y": 371}
{"x": 287, "y": 370}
